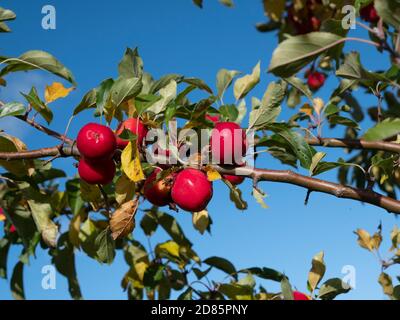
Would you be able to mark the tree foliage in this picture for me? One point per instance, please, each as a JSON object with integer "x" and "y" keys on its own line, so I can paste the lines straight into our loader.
{"x": 38, "y": 200}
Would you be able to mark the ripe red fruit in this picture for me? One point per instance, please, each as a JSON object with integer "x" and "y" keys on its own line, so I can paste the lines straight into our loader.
{"x": 99, "y": 172}
{"x": 315, "y": 80}
{"x": 191, "y": 190}
{"x": 300, "y": 296}
{"x": 235, "y": 180}
{"x": 214, "y": 119}
{"x": 369, "y": 13}
{"x": 13, "y": 229}
{"x": 134, "y": 125}
{"x": 228, "y": 143}
{"x": 96, "y": 141}
{"x": 158, "y": 192}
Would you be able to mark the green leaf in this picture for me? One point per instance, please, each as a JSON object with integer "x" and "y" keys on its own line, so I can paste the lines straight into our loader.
{"x": 235, "y": 196}
{"x": 389, "y": 11}
{"x": 36, "y": 59}
{"x": 383, "y": 130}
{"x": 332, "y": 288}
{"x": 12, "y": 109}
{"x": 353, "y": 70}
{"x": 198, "y": 83}
{"x": 4, "y": 248}
{"x": 131, "y": 65}
{"x": 245, "y": 84}
{"x": 124, "y": 89}
{"x": 317, "y": 158}
{"x": 171, "y": 226}
{"x": 300, "y": 86}
{"x": 224, "y": 80}
{"x": 39, "y": 105}
{"x": 236, "y": 291}
{"x": 167, "y": 93}
{"x": 105, "y": 247}
{"x": 229, "y": 112}
{"x": 295, "y": 53}
{"x": 222, "y": 264}
{"x": 5, "y": 15}
{"x": 297, "y": 143}
{"x": 149, "y": 224}
{"x": 103, "y": 94}
{"x": 335, "y": 119}
{"x": 17, "y": 282}
{"x": 286, "y": 288}
{"x": 74, "y": 199}
{"x": 265, "y": 273}
{"x": 270, "y": 107}
{"x": 63, "y": 258}
{"x": 164, "y": 81}
{"x": 88, "y": 101}
{"x": 186, "y": 295}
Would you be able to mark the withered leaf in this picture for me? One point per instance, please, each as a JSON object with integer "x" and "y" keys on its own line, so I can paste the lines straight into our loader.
{"x": 122, "y": 221}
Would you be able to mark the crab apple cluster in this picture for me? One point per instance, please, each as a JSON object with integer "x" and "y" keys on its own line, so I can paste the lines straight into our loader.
{"x": 305, "y": 20}
{"x": 189, "y": 189}
{"x": 369, "y": 13}
{"x": 96, "y": 144}
{"x": 315, "y": 79}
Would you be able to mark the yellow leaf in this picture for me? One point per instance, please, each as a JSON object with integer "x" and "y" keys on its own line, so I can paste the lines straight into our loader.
{"x": 307, "y": 109}
{"x": 124, "y": 189}
{"x": 56, "y": 91}
{"x": 318, "y": 105}
{"x": 212, "y": 174}
{"x": 317, "y": 271}
{"x": 364, "y": 239}
{"x": 131, "y": 163}
{"x": 260, "y": 198}
{"x": 170, "y": 246}
{"x": 201, "y": 221}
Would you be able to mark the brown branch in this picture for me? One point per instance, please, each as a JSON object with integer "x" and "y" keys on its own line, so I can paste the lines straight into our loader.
{"x": 311, "y": 184}
{"x": 40, "y": 153}
{"x": 317, "y": 185}
{"x": 355, "y": 144}
{"x": 351, "y": 143}
{"x": 46, "y": 130}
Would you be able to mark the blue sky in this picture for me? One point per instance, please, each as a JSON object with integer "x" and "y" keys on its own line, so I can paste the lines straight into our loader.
{"x": 176, "y": 37}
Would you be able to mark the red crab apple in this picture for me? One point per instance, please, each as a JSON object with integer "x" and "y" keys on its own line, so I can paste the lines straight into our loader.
{"x": 100, "y": 172}
{"x": 135, "y": 126}
{"x": 369, "y": 13}
{"x": 228, "y": 143}
{"x": 315, "y": 80}
{"x": 191, "y": 190}
{"x": 158, "y": 192}
{"x": 297, "y": 295}
{"x": 235, "y": 180}
{"x": 96, "y": 142}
